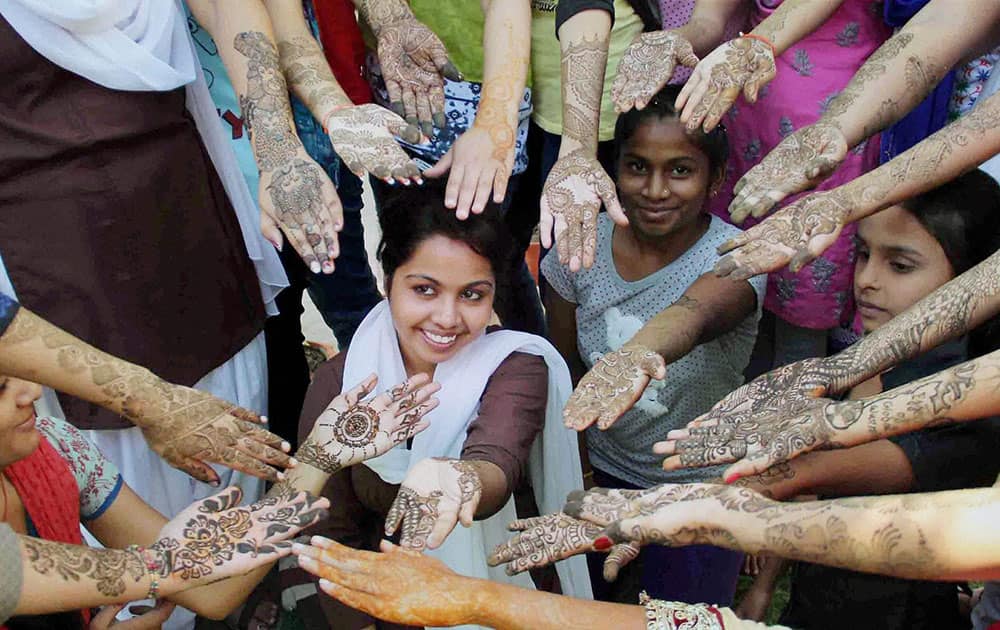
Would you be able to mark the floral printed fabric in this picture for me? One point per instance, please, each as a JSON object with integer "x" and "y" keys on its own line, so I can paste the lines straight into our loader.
{"x": 8, "y": 309}
{"x": 98, "y": 479}
{"x": 810, "y": 74}
{"x": 969, "y": 82}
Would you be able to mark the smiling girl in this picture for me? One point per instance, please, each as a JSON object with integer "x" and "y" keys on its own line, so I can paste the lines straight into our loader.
{"x": 502, "y": 394}
{"x": 651, "y": 307}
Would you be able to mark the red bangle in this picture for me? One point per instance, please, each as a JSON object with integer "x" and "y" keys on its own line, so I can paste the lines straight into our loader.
{"x": 762, "y": 39}
{"x": 333, "y": 111}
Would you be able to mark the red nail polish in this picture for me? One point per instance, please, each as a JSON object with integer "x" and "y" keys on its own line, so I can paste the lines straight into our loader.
{"x": 603, "y": 543}
{"x": 733, "y": 478}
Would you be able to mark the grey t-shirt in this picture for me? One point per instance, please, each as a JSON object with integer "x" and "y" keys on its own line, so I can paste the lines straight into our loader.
{"x": 11, "y": 573}
{"x": 611, "y": 310}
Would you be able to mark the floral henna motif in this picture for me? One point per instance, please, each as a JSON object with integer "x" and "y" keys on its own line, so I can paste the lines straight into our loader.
{"x": 612, "y": 386}
{"x": 800, "y": 161}
{"x": 469, "y": 485}
{"x": 108, "y": 568}
{"x": 435, "y": 495}
{"x": 794, "y": 235}
{"x": 743, "y": 64}
{"x": 646, "y": 67}
{"x": 265, "y": 104}
{"x": 362, "y": 136}
{"x": 571, "y": 199}
{"x": 417, "y": 513}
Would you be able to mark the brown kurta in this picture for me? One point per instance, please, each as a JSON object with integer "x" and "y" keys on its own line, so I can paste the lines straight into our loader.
{"x": 511, "y": 416}
{"x": 114, "y": 224}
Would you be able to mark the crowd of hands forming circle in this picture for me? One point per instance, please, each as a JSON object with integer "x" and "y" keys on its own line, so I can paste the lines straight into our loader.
{"x": 440, "y": 286}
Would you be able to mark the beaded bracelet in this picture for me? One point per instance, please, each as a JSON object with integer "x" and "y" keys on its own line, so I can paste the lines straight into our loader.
{"x": 761, "y": 38}
{"x": 661, "y": 615}
{"x": 153, "y": 562}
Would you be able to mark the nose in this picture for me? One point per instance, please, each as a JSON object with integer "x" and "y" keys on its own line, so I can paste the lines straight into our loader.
{"x": 26, "y": 393}
{"x": 866, "y": 277}
{"x": 446, "y": 315}
{"x": 656, "y": 186}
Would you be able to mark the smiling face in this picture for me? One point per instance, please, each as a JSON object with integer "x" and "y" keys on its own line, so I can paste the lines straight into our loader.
{"x": 441, "y": 300}
{"x": 18, "y": 436}
{"x": 663, "y": 178}
{"x": 899, "y": 263}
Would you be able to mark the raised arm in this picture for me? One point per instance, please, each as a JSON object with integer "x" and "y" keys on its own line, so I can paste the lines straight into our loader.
{"x": 577, "y": 184}
{"x": 482, "y": 159}
{"x": 186, "y": 427}
{"x": 362, "y": 135}
{"x": 890, "y": 83}
{"x": 294, "y": 191}
{"x": 709, "y": 308}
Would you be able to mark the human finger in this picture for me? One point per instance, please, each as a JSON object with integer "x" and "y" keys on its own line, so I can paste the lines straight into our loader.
{"x": 619, "y": 556}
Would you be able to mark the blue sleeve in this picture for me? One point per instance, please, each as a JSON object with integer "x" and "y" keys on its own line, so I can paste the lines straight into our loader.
{"x": 8, "y": 310}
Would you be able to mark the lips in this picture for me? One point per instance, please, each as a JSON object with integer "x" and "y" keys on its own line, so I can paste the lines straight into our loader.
{"x": 867, "y": 309}
{"x": 27, "y": 425}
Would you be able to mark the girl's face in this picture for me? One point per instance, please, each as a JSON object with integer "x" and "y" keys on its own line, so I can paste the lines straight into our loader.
{"x": 663, "y": 178}
{"x": 441, "y": 300}
{"x": 899, "y": 263}
{"x": 18, "y": 436}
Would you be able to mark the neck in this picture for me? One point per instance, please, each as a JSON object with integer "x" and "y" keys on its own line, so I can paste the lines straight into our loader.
{"x": 413, "y": 365}
{"x": 668, "y": 247}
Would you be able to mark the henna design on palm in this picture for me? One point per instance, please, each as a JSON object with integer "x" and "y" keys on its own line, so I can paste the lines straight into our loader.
{"x": 647, "y": 65}
{"x": 362, "y": 137}
{"x": 612, "y": 386}
{"x": 436, "y": 494}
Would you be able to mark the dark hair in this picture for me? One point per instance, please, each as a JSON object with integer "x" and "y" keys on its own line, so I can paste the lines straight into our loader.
{"x": 715, "y": 144}
{"x": 409, "y": 215}
{"x": 963, "y": 215}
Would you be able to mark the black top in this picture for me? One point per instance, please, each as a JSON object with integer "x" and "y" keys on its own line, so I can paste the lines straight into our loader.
{"x": 647, "y": 10}
{"x": 942, "y": 458}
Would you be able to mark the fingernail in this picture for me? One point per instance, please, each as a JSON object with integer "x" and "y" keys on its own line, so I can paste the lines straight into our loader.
{"x": 314, "y": 267}
{"x": 292, "y": 462}
{"x": 603, "y": 543}
{"x": 285, "y": 446}
{"x": 320, "y": 541}
{"x": 325, "y": 583}
{"x": 733, "y": 478}
{"x": 299, "y": 548}
{"x": 328, "y": 267}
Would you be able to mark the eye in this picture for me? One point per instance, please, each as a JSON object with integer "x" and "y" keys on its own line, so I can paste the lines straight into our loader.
{"x": 636, "y": 166}
{"x": 424, "y": 290}
{"x": 472, "y": 295}
{"x": 681, "y": 171}
{"x": 862, "y": 252}
{"x": 900, "y": 266}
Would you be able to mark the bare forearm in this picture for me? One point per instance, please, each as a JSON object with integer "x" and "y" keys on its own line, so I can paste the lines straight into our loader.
{"x": 506, "y": 45}
{"x": 584, "y": 44}
{"x": 794, "y": 20}
{"x": 908, "y": 66}
{"x": 707, "y": 26}
{"x": 506, "y": 607}
{"x": 947, "y": 313}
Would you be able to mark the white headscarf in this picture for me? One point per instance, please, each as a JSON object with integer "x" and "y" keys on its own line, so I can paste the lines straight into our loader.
{"x": 144, "y": 45}
{"x": 554, "y": 464}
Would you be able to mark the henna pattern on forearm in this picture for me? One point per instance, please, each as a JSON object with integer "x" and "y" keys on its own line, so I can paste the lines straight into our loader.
{"x": 583, "y": 66}
{"x": 265, "y": 105}
{"x": 109, "y": 569}
{"x": 309, "y": 75}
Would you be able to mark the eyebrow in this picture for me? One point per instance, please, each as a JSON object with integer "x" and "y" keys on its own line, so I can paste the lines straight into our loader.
{"x": 894, "y": 250}
{"x": 679, "y": 158}
{"x": 420, "y": 276}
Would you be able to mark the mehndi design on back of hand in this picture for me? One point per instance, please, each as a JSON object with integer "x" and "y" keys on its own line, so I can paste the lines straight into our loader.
{"x": 647, "y": 65}
{"x": 612, "y": 386}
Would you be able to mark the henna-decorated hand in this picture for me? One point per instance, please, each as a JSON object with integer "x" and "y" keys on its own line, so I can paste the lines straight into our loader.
{"x": 189, "y": 428}
{"x": 742, "y": 64}
{"x": 794, "y": 235}
{"x": 436, "y": 494}
{"x": 298, "y": 196}
{"x": 414, "y": 65}
{"x": 612, "y": 386}
{"x": 571, "y": 198}
{"x": 544, "y": 540}
{"x": 800, "y": 162}
{"x": 762, "y": 440}
{"x": 350, "y": 431}
{"x": 215, "y": 538}
{"x": 480, "y": 161}
{"x": 362, "y": 137}
{"x": 646, "y": 67}
{"x": 398, "y": 585}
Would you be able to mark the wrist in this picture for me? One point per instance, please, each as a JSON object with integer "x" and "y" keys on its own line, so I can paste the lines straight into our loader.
{"x": 142, "y": 397}
{"x": 764, "y": 40}
{"x": 569, "y": 145}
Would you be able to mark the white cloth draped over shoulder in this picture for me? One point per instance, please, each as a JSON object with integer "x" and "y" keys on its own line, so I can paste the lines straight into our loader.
{"x": 554, "y": 464}
{"x": 144, "y": 45}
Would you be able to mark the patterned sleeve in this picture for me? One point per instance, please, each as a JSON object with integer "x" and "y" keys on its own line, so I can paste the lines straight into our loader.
{"x": 96, "y": 476}
{"x": 558, "y": 276}
{"x": 8, "y": 309}
{"x": 11, "y": 576}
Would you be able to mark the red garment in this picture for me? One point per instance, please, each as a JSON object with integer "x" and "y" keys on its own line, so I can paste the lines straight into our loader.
{"x": 343, "y": 46}
{"x": 50, "y": 495}
{"x": 994, "y": 626}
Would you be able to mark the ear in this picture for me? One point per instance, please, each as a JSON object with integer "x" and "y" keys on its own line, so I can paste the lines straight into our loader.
{"x": 718, "y": 178}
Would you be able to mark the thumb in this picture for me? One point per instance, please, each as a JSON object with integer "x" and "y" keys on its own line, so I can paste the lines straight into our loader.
{"x": 689, "y": 59}
{"x": 614, "y": 207}
{"x": 619, "y": 556}
{"x": 739, "y": 240}
{"x": 822, "y": 166}
{"x": 746, "y": 467}
{"x": 269, "y": 228}
{"x": 106, "y": 616}
{"x": 801, "y": 258}
{"x": 443, "y": 165}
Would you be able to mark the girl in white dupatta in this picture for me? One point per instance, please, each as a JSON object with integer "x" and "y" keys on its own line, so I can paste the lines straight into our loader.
{"x": 441, "y": 279}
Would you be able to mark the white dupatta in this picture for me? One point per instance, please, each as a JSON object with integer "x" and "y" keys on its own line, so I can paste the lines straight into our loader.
{"x": 144, "y": 45}
{"x": 554, "y": 465}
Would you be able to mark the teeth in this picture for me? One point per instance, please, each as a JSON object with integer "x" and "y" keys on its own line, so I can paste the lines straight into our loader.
{"x": 438, "y": 338}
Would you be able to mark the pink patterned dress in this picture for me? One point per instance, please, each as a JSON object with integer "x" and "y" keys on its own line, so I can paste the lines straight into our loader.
{"x": 810, "y": 74}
